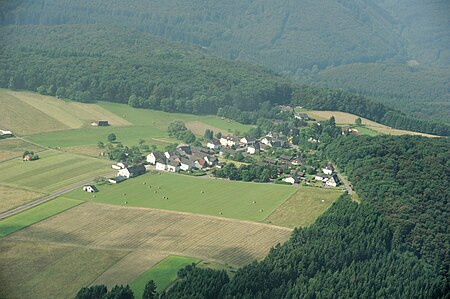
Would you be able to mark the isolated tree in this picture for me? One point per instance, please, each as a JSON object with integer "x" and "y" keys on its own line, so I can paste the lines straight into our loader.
{"x": 141, "y": 141}
{"x": 358, "y": 121}
{"x": 150, "y": 290}
{"x": 112, "y": 137}
{"x": 100, "y": 144}
{"x": 219, "y": 135}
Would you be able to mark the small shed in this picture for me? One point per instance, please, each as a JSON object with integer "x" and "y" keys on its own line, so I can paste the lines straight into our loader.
{"x": 90, "y": 188}
{"x": 117, "y": 179}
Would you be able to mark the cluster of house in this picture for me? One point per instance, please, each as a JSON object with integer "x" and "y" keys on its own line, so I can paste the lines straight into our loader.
{"x": 126, "y": 171}
{"x": 347, "y": 131}
{"x": 328, "y": 176}
{"x": 184, "y": 158}
{"x": 249, "y": 145}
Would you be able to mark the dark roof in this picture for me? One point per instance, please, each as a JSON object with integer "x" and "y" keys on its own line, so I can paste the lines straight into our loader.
{"x": 118, "y": 179}
{"x": 138, "y": 169}
{"x": 285, "y": 157}
{"x": 92, "y": 186}
{"x": 159, "y": 155}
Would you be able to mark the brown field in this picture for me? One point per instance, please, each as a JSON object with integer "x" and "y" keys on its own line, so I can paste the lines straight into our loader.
{"x": 109, "y": 227}
{"x": 12, "y": 197}
{"x": 13, "y": 147}
{"x": 44, "y": 270}
{"x": 343, "y": 118}
{"x": 198, "y": 128}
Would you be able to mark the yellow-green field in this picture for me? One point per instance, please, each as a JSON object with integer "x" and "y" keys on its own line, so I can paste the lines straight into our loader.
{"x": 54, "y": 170}
{"x": 304, "y": 207}
{"x": 343, "y": 118}
{"x": 13, "y": 197}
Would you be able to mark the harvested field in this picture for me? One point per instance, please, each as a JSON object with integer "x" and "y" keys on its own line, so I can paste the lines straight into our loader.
{"x": 44, "y": 270}
{"x": 13, "y": 147}
{"x": 107, "y": 227}
{"x": 13, "y": 197}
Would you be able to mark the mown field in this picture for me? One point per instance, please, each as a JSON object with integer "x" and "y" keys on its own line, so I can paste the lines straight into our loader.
{"x": 343, "y": 118}
{"x": 303, "y": 207}
{"x": 54, "y": 170}
{"x": 96, "y": 243}
{"x": 14, "y": 197}
{"x": 27, "y": 113}
{"x": 182, "y": 193}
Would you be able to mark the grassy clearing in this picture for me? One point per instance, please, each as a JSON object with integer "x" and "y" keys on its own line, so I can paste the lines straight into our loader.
{"x": 232, "y": 199}
{"x": 163, "y": 274}
{"x": 366, "y": 131}
{"x": 42, "y": 270}
{"x": 12, "y": 148}
{"x": 13, "y": 197}
{"x": 36, "y": 214}
{"x": 303, "y": 208}
{"x": 110, "y": 227}
{"x": 54, "y": 170}
{"x": 343, "y": 118}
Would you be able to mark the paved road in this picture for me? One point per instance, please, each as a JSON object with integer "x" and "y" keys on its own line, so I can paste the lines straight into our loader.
{"x": 41, "y": 200}
{"x": 346, "y": 184}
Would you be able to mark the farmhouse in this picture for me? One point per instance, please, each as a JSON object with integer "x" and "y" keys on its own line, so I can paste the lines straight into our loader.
{"x": 211, "y": 160}
{"x": 301, "y": 116}
{"x": 101, "y": 123}
{"x": 116, "y": 167}
{"x": 254, "y": 149}
{"x": 320, "y": 177}
{"x": 187, "y": 164}
{"x": 247, "y": 141}
{"x": 117, "y": 179}
{"x": 333, "y": 181}
{"x": 161, "y": 165}
{"x": 133, "y": 171}
{"x": 229, "y": 141}
{"x": 213, "y": 144}
{"x": 292, "y": 180}
{"x": 201, "y": 163}
{"x": 90, "y": 188}
{"x": 173, "y": 165}
{"x": 154, "y": 157}
{"x": 5, "y": 134}
{"x": 329, "y": 168}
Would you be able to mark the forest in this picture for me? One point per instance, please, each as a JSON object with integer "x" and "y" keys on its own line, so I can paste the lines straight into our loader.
{"x": 96, "y": 63}
{"x": 394, "y": 51}
{"x": 366, "y": 250}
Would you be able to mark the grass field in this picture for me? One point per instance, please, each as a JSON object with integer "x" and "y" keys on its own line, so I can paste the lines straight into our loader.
{"x": 12, "y": 148}
{"x": 303, "y": 208}
{"x": 163, "y": 274}
{"x": 232, "y": 199}
{"x": 36, "y": 214}
{"x": 54, "y": 170}
{"x": 48, "y": 113}
{"x": 343, "y": 118}
{"x": 43, "y": 270}
{"x": 13, "y": 197}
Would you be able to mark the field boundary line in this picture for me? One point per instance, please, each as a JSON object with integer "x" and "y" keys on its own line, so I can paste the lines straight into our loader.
{"x": 298, "y": 190}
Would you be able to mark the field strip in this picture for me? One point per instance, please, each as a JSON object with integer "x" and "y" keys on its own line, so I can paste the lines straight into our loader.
{"x": 129, "y": 268}
{"x": 108, "y": 227}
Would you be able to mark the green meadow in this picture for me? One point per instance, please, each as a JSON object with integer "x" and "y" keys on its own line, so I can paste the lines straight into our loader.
{"x": 36, "y": 214}
{"x": 223, "y": 198}
{"x": 163, "y": 274}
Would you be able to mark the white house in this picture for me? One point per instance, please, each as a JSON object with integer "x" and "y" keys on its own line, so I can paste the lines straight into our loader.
{"x": 254, "y": 149}
{"x": 292, "y": 180}
{"x": 90, "y": 188}
{"x": 133, "y": 171}
{"x": 229, "y": 141}
{"x": 173, "y": 166}
{"x": 266, "y": 140}
{"x": 329, "y": 169}
{"x": 333, "y": 181}
{"x": 319, "y": 177}
{"x": 213, "y": 144}
{"x": 122, "y": 165}
{"x": 152, "y": 158}
{"x": 186, "y": 164}
{"x": 301, "y": 116}
{"x": 161, "y": 165}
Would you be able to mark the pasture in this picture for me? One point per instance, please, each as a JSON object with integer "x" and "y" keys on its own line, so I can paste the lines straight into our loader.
{"x": 96, "y": 243}
{"x": 343, "y": 118}
{"x": 303, "y": 207}
{"x": 13, "y": 147}
{"x": 13, "y": 197}
{"x": 27, "y": 113}
{"x": 163, "y": 274}
{"x": 54, "y": 170}
{"x": 200, "y": 195}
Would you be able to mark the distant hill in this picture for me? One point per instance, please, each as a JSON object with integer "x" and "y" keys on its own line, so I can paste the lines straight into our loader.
{"x": 332, "y": 38}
